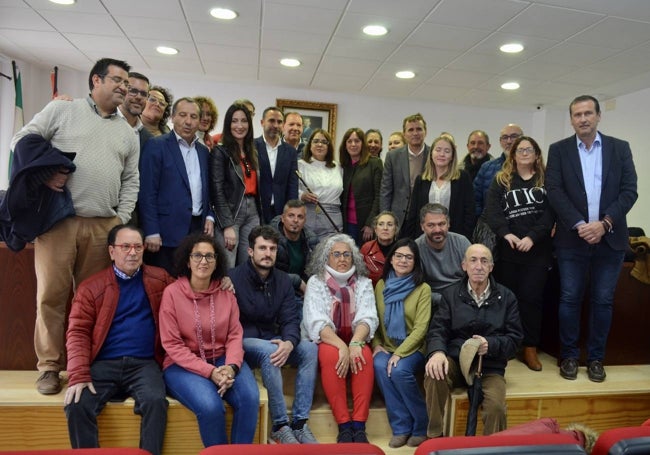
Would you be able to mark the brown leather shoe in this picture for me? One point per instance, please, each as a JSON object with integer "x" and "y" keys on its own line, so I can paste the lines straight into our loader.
{"x": 530, "y": 358}
{"x": 49, "y": 383}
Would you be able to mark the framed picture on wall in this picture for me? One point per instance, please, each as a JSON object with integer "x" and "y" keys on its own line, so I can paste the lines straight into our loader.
{"x": 314, "y": 115}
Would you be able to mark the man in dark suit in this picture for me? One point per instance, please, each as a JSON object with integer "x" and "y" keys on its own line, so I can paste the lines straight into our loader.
{"x": 402, "y": 166}
{"x": 591, "y": 184}
{"x": 173, "y": 197}
{"x": 278, "y": 164}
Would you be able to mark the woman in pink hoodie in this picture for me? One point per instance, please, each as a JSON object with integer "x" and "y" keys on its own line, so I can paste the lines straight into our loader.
{"x": 202, "y": 336}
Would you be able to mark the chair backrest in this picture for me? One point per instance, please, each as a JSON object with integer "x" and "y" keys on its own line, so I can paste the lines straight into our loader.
{"x": 102, "y": 451}
{"x": 608, "y": 439}
{"x": 294, "y": 449}
{"x": 551, "y": 449}
{"x": 436, "y": 445}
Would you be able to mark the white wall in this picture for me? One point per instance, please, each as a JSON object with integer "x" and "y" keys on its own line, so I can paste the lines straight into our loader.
{"x": 628, "y": 120}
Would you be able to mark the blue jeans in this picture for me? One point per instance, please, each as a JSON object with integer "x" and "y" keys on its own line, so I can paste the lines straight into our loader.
{"x": 200, "y": 396}
{"x": 305, "y": 357}
{"x": 116, "y": 380}
{"x": 405, "y": 406}
{"x": 603, "y": 266}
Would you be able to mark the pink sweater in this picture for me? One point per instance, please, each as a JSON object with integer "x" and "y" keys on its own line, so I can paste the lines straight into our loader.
{"x": 178, "y": 330}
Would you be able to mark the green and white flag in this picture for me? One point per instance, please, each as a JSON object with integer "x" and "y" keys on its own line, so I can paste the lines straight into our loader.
{"x": 19, "y": 119}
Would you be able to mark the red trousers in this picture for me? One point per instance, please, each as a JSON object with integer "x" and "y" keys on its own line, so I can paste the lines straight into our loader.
{"x": 335, "y": 388}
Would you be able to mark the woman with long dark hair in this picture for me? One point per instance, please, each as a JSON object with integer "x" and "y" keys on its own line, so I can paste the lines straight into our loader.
{"x": 234, "y": 184}
{"x": 361, "y": 183}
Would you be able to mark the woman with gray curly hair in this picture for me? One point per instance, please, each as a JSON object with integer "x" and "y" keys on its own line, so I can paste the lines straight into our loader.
{"x": 340, "y": 315}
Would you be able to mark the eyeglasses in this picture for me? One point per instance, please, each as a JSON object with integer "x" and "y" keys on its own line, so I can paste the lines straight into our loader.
{"x": 525, "y": 150}
{"x": 135, "y": 92}
{"x": 512, "y": 137}
{"x": 126, "y": 247}
{"x": 154, "y": 100}
{"x": 119, "y": 81}
{"x": 400, "y": 256}
{"x": 247, "y": 167}
{"x": 320, "y": 141}
{"x": 198, "y": 257}
{"x": 340, "y": 254}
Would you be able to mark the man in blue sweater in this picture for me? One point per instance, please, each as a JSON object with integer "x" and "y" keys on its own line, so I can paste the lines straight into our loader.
{"x": 271, "y": 322}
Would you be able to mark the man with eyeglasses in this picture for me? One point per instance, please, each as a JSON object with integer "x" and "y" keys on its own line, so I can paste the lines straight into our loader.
{"x": 114, "y": 348}
{"x": 441, "y": 251}
{"x": 104, "y": 189}
{"x": 402, "y": 166}
{"x": 278, "y": 164}
{"x": 484, "y": 313}
{"x": 271, "y": 322}
{"x": 592, "y": 184}
{"x": 509, "y": 134}
{"x": 174, "y": 196}
{"x": 133, "y": 105}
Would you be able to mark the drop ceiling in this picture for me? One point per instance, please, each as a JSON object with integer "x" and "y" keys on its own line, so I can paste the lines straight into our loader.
{"x": 600, "y": 47}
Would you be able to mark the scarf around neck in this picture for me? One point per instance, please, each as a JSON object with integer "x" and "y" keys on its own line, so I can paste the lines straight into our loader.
{"x": 395, "y": 291}
{"x": 342, "y": 287}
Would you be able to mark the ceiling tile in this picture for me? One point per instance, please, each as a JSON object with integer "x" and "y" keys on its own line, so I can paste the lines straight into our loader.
{"x": 351, "y": 26}
{"x": 22, "y": 19}
{"x": 345, "y": 65}
{"x": 550, "y": 22}
{"x": 147, "y": 48}
{"x": 226, "y": 71}
{"x": 368, "y": 49}
{"x": 224, "y": 34}
{"x": 615, "y": 33}
{"x": 575, "y": 54}
{"x": 72, "y": 22}
{"x": 309, "y": 43}
{"x": 392, "y": 8}
{"x": 445, "y": 37}
{"x": 420, "y": 56}
{"x": 453, "y": 78}
{"x": 115, "y": 45}
{"x": 495, "y": 64}
{"x": 154, "y": 28}
{"x": 86, "y": 6}
{"x": 164, "y": 9}
{"x": 485, "y": 14}
{"x": 298, "y": 18}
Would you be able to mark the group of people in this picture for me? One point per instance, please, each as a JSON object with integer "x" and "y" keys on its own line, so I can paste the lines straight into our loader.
{"x": 363, "y": 268}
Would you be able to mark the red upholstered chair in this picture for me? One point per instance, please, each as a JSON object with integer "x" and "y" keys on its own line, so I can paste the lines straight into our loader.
{"x": 294, "y": 449}
{"x": 608, "y": 440}
{"x": 102, "y": 451}
{"x": 467, "y": 442}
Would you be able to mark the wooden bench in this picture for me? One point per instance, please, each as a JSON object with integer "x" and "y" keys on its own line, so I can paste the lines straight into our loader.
{"x": 29, "y": 420}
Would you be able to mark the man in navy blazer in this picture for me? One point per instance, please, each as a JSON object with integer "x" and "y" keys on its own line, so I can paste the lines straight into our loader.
{"x": 591, "y": 184}
{"x": 174, "y": 191}
{"x": 278, "y": 164}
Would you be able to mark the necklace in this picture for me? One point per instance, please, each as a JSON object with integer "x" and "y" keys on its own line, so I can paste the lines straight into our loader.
{"x": 199, "y": 329}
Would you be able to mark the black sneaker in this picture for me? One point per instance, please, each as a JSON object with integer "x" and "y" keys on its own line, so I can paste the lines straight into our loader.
{"x": 569, "y": 368}
{"x": 360, "y": 436}
{"x": 595, "y": 371}
{"x": 345, "y": 435}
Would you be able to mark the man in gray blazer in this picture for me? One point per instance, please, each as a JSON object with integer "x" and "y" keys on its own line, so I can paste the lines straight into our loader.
{"x": 591, "y": 184}
{"x": 401, "y": 167}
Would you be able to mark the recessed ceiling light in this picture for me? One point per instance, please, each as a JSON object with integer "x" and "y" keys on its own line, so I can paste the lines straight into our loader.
{"x": 223, "y": 13}
{"x": 290, "y": 62}
{"x": 63, "y": 2}
{"x": 375, "y": 30}
{"x": 512, "y": 48}
{"x": 167, "y": 50}
{"x": 510, "y": 85}
{"x": 405, "y": 74}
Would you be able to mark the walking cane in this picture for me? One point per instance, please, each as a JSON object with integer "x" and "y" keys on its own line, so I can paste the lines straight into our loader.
{"x": 318, "y": 203}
